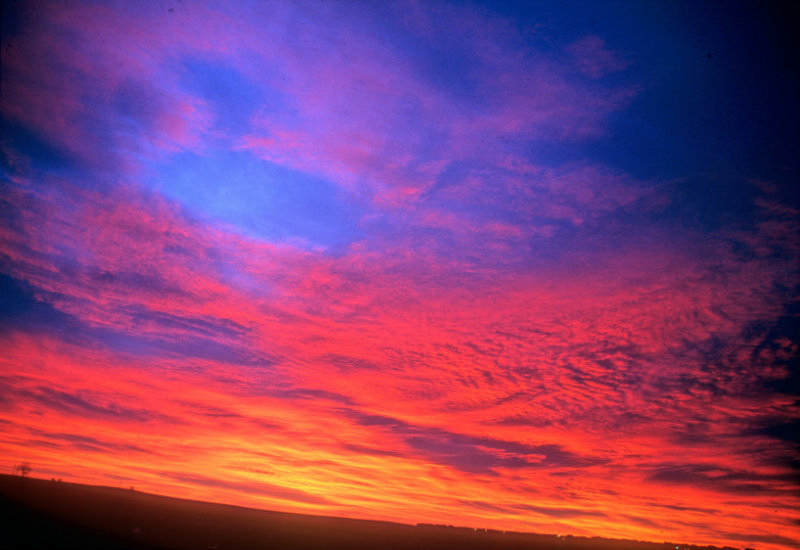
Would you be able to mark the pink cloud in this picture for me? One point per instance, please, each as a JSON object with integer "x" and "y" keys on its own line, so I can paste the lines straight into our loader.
{"x": 593, "y": 59}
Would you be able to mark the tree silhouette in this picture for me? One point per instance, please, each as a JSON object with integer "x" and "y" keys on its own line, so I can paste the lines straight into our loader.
{"x": 23, "y": 469}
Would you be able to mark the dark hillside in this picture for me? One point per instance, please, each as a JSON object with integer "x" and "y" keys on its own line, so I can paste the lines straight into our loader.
{"x": 46, "y": 514}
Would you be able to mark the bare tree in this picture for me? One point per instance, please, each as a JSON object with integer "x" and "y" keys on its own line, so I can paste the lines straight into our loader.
{"x": 23, "y": 469}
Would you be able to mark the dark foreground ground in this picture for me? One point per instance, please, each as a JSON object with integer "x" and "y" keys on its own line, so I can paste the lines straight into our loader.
{"x": 37, "y": 513}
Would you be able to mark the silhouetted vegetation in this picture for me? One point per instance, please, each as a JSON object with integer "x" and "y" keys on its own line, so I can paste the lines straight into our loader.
{"x": 42, "y": 514}
{"x": 23, "y": 469}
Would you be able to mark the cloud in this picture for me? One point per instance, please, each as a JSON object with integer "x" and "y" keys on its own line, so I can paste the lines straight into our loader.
{"x": 260, "y": 488}
{"x": 593, "y": 59}
{"x": 721, "y": 479}
{"x": 91, "y": 444}
{"x": 471, "y": 453}
{"x": 561, "y": 512}
{"x": 85, "y": 403}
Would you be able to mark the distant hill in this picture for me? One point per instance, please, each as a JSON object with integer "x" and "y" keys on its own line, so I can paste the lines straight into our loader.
{"x": 46, "y": 514}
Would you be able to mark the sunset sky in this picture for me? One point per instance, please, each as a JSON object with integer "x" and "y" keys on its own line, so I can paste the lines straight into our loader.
{"x": 516, "y": 265}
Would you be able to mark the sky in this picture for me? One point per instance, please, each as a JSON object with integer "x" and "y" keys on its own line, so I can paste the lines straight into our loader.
{"x": 517, "y": 265}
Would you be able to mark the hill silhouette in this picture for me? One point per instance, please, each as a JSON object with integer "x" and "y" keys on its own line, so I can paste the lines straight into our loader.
{"x": 47, "y": 514}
